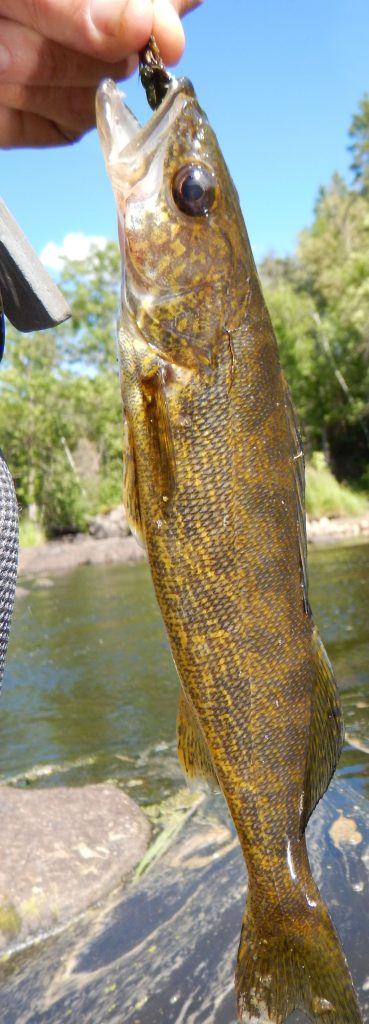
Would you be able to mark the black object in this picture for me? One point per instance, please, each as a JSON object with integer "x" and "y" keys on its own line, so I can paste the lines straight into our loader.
{"x": 153, "y": 74}
{"x": 31, "y": 301}
{"x": 2, "y": 334}
{"x": 8, "y": 555}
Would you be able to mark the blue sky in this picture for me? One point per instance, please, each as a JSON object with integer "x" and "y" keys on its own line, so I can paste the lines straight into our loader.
{"x": 279, "y": 80}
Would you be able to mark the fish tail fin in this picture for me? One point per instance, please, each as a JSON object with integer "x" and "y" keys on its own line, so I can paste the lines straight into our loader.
{"x": 297, "y": 965}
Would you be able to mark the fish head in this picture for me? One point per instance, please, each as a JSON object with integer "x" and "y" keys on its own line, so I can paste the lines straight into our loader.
{"x": 182, "y": 236}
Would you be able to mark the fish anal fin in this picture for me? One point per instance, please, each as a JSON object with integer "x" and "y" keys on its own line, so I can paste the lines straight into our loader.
{"x": 131, "y": 497}
{"x": 193, "y": 752}
{"x": 326, "y": 731}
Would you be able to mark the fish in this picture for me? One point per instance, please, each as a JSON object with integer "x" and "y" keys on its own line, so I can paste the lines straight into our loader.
{"x": 214, "y": 487}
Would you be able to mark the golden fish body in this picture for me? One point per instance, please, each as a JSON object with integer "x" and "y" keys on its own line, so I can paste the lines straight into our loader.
{"x": 214, "y": 483}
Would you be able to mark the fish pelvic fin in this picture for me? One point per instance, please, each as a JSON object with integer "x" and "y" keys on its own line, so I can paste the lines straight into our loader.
{"x": 297, "y": 965}
{"x": 326, "y": 731}
{"x": 194, "y": 755}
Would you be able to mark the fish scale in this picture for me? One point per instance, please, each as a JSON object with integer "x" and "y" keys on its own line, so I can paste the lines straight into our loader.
{"x": 214, "y": 485}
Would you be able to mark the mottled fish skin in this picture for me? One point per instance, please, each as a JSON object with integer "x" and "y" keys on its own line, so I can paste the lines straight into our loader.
{"x": 214, "y": 483}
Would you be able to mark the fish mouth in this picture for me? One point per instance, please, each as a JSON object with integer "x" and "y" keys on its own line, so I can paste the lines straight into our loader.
{"x": 128, "y": 146}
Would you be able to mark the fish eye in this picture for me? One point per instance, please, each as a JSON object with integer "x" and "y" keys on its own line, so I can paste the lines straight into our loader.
{"x": 194, "y": 190}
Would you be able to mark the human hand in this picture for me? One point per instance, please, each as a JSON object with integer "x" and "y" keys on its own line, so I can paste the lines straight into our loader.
{"x": 53, "y": 53}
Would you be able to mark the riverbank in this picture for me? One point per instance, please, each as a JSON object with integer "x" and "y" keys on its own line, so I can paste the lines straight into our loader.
{"x": 109, "y": 541}
{"x": 70, "y": 552}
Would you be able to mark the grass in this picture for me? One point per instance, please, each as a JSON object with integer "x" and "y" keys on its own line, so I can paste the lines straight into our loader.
{"x": 325, "y": 496}
{"x": 30, "y": 533}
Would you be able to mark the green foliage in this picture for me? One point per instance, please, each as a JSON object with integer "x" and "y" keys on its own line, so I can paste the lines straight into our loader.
{"x": 359, "y": 148}
{"x": 325, "y": 496}
{"x": 92, "y": 288}
{"x": 30, "y": 533}
{"x": 319, "y": 302}
{"x": 64, "y": 506}
{"x": 58, "y": 387}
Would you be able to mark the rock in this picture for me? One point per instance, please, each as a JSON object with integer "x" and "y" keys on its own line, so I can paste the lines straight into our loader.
{"x": 62, "y": 850}
{"x": 112, "y": 524}
{"x": 326, "y": 529}
{"x": 61, "y": 556}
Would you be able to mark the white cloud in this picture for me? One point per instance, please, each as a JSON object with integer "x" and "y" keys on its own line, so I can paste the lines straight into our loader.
{"x": 75, "y": 246}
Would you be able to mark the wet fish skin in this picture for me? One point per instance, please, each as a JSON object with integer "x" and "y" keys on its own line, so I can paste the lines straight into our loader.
{"x": 214, "y": 484}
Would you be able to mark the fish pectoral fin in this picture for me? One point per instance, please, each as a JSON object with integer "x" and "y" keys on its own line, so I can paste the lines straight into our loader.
{"x": 131, "y": 498}
{"x": 326, "y": 732}
{"x": 162, "y": 462}
{"x": 193, "y": 752}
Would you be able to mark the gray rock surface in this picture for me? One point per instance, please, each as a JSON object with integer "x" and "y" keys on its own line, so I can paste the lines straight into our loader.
{"x": 164, "y": 951}
{"x": 109, "y": 524}
{"x": 328, "y": 529}
{"x": 68, "y": 553}
{"x": 61, "y": 850}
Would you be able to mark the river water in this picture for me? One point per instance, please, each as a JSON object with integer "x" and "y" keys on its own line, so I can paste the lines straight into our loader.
{"x": 90, "y": 690}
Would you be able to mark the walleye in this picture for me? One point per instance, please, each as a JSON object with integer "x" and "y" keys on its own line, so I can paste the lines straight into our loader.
{"x": 214, "y": 484}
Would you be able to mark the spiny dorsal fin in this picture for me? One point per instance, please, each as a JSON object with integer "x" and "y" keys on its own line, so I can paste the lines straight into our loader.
{"x": 299, "y": 471}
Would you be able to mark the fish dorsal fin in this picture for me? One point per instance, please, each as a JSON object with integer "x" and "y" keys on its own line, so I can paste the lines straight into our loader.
{"x": 299, "y": 473}
{"x": 326, "y": 728}
{"x": 131, "y": 498}
{"x": 326, "y": 731}
{"x": 193, "y": 753}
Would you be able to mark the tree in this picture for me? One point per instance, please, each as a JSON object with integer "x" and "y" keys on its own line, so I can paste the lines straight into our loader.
{"x": 319, "y": 302}
{"x": 59, "y": 387}
{"x": 92, "y": 288}
{"x": 359, "y": 147}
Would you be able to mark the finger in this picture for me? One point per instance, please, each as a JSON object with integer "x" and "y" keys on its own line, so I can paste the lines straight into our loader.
{"x": 26, "y": 56}
{"x": 168, "y": 31}
{"x": 19, "y": 128}
{"x": 109, "y": 29}
{"x": 185, "y": 6}
{"x": 73, "y": 109}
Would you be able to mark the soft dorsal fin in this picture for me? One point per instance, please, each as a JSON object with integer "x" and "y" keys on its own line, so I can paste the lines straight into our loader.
{"x": 326, "y": 728}
{"x": 326, "y": 731}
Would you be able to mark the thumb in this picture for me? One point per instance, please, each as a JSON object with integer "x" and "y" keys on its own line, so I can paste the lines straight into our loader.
{"x": 108, "y": 29}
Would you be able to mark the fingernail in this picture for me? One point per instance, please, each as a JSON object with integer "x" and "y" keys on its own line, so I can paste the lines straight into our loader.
{"x": 106, "y": 15}
{"x": 4, "y": 58}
